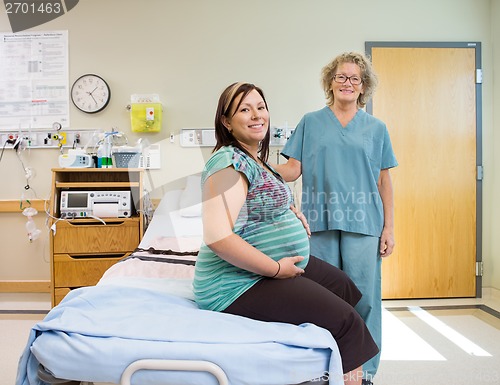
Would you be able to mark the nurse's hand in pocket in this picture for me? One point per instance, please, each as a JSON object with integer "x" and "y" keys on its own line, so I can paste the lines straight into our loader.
{"x": 302, "y": 218}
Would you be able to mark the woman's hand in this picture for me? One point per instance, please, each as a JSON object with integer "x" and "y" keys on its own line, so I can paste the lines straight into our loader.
{"x": 302, "y": 218}
{"x": 288, "y": 269}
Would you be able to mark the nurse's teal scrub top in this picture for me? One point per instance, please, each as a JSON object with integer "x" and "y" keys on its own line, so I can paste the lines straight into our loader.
{"x": 340, "y": 170}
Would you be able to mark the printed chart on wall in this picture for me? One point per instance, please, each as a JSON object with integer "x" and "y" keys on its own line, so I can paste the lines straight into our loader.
{"x": 33, "y": 80}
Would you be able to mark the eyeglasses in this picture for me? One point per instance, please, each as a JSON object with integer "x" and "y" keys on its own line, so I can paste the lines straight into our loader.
{"x": 355, "y": 80}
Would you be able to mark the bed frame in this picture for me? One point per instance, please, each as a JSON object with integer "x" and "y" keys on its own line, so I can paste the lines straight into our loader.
{"x": 149, "y": 364}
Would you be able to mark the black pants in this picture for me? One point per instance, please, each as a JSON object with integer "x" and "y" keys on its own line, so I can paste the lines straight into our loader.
{"x": 325, "y": 296}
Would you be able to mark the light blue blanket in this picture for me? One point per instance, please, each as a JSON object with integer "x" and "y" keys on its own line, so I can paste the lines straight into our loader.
{"x": 96, "y": 332}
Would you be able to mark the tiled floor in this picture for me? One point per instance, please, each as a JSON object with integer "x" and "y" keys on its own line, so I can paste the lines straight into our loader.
{"x": 441, "y": 341}
{"x": 431, "y": 342}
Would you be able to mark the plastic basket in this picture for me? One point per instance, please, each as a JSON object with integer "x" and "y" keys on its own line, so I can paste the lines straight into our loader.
{"x": 126, "y": 159}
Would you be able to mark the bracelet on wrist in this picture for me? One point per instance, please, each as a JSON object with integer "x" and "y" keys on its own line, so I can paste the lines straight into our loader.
{"x": 279, "y": 268}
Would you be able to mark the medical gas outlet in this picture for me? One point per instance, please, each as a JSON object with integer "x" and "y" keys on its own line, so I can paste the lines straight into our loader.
{"x": 279, "y": 135}
{"x": 45, "y": 139}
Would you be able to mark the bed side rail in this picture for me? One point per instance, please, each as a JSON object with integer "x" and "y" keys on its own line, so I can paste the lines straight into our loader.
{"x": 182, "y": 365}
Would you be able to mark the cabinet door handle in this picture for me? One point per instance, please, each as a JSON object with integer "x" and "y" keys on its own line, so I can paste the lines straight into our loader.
{"x": 96, "y": 256}
{"x": 79, "y": 222}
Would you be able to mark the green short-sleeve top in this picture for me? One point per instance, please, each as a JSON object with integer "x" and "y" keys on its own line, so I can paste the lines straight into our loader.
{"x": 265, "y": 221}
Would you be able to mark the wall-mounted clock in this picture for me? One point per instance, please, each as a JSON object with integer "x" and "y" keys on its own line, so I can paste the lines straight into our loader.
{"x": 90, "y": 93}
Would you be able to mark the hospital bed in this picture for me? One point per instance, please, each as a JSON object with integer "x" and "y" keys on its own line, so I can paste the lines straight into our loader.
{"x": 140, "y": 324}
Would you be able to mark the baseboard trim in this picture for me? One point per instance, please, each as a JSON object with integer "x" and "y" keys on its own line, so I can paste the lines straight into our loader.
{"x": 24, "y": 286}
{"x": 491, "y": 293}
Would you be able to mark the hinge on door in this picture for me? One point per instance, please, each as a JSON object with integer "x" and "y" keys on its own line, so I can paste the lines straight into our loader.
{"x": 479, "y": 173}
{"x": 479, "y": 76}
{"x": 479, "y": 269}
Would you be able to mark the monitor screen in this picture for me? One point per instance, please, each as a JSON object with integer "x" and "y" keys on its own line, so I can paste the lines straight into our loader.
{"x": 77, "y": 200}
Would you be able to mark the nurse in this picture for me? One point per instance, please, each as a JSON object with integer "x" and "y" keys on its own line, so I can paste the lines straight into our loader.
{"x": 344, "y": 155}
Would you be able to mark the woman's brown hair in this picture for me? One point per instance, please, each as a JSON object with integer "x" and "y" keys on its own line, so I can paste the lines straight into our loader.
{"x": 224, "y": 108}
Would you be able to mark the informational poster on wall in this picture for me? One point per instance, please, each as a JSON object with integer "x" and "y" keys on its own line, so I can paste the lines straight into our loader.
{"x": 33, "y": 80}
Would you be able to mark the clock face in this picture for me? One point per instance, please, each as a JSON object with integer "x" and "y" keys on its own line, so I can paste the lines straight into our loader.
{"x": 90, "y": 93}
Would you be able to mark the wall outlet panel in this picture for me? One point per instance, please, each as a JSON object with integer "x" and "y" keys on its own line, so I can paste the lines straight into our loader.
{"x": 205, "y": 137}
{"x": 47, "y": 139}
{"x": 197, "y": 137}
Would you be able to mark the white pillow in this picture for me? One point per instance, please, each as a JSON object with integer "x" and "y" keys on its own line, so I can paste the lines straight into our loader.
{"x": 190, "y": 200}
{"x": 168, "y": 203}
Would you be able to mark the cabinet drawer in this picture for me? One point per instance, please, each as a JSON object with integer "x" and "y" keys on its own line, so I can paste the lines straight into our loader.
{"x": 59, "y": 294}
{"x": 71, "y": 271}
{"x": 82, "y": 237}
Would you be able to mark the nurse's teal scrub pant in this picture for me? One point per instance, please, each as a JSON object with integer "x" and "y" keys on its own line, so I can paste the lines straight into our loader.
{"x": 358, "y": 256}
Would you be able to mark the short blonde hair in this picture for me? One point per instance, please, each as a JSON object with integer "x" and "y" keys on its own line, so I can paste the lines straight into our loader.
{"x": 368, "y": 76}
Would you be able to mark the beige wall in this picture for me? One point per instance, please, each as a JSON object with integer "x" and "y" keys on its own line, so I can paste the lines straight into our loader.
{"x": 188, "y": 51}
{"x": 491, "y": 236}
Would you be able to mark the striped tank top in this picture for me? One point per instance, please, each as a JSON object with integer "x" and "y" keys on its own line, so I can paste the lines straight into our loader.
{"x": 265, "y": 221}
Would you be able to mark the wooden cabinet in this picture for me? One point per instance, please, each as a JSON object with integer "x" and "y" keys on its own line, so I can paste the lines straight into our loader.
{"x": 82, "y": 249}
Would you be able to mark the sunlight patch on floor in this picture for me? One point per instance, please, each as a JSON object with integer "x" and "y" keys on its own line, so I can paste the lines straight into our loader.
{"x": 458, "y": 339}
{"x": 400, "y": 343}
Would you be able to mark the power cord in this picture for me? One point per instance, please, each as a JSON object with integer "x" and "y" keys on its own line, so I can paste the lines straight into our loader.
{"x": 3, "y": 149}
{"x": 14, "y": 142}
{"x": 148, "y": 210}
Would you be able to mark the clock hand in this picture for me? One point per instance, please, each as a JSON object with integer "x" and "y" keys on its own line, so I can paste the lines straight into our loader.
{"x": 91, "y": 92}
